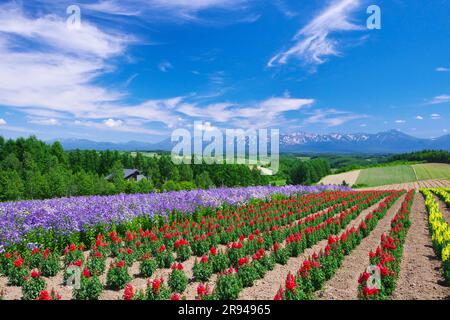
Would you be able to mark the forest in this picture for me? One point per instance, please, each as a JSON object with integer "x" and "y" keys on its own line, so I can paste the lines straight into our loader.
{"x": 32, "y": 169}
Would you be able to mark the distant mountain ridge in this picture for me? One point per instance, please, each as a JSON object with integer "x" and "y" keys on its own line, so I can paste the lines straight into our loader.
{"x": 392, "y": 141}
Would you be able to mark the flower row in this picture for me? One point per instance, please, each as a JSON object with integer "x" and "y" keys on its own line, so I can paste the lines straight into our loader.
{"x": 440, "y": 231}
{"x": 320, "y": 267}
{"x": 379, "y": 280}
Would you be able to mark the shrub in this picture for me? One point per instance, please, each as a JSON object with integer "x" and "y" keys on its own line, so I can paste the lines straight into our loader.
{"x": 228, "y": 286}
{"x": 33, "y": 286}
{"x": 157, "y": 290}
{"x": 90, "y": 287}
{"x": 177, "y": 279}
{"x": 147, "y": 266}
{"x": 117, "y": 276}
{"x": 202, "y": 270}
{"x": 18, "y": 273}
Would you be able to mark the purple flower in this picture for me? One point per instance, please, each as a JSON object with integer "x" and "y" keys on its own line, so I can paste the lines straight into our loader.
{"x": 65, "y": 216}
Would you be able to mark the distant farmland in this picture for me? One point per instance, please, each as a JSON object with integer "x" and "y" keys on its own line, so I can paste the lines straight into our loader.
{"x": 373, "y": 177}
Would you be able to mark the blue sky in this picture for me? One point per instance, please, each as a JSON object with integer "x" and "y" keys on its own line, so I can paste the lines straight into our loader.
{"x": 136, "y": 70}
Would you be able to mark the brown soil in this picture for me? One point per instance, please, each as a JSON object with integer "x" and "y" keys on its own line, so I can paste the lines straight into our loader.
{"x": 436, "y": 183}
{"x": 420, "y": 277}
{"x": 344, "y": 284}
{"x": 265, "y": 289}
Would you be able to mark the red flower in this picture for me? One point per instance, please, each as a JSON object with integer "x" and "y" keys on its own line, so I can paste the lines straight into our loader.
{"x": 35, "y": 251}
{"x": 86, "y": 273}
{"x": 162, "y": 248}
{"x": 120, "y": 264}
{"x": 97, "y": 254}
{"x": 213, "y": 251}
{"x": 242, "y": 261}
{"x": 128, "y": 292}
{"x": 201, "y": 289}
{"x": 279, "y": 295}
{"x": 44, "y": 295}
{"x": 19, "y": 262}
{"x": 72, "y": 247}
{"x": 175, "y": 297}
{"x": 290, "y": 282}
{"x": 35, "y": 274}
{"x": 156, "y": 285}
{"x": 276, "y": 246}
{"x": 204, "y": 259}
{"x": 78, "y": 263}
{"x": 130, "y": 251}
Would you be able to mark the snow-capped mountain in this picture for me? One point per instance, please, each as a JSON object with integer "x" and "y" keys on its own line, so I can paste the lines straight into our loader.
{"x": 392, "y": 141}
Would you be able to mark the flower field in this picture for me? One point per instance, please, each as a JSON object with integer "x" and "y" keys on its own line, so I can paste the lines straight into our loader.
{"x": 282, "y": 243}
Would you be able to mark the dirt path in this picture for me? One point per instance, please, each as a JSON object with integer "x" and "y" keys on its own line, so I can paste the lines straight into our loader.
{"x": 344, "y": 284}
{"x": 265, "y": 289}
{"x": 420, "y": 277}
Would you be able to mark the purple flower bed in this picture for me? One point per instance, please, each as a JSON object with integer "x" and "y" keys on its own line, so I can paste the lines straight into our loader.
{"x": 69, "y": 215}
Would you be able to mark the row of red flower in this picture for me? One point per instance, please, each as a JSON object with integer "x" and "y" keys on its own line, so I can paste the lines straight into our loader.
{"x": 379, "y": 279}
{"x": 148, "y": 246}
{"x": 321, "y": 266}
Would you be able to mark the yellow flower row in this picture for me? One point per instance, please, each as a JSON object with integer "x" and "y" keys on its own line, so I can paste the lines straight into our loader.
{"x": 440, "y": 230}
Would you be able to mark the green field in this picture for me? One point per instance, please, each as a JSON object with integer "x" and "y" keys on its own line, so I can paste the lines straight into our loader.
{"x": 432, "y": 171}
{"x": 373, "y": 177}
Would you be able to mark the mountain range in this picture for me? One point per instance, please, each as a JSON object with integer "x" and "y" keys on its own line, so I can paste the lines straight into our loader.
{"x": 392, "y": 141}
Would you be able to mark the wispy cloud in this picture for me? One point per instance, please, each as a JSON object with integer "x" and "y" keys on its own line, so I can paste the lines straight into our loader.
{"x": 333, "y": 117}
{"x": 314, "y": 42}
{"x": 2, "y": 122}
{"x": 179, "y": 11}
{"x": 45, "y": 122}
{"x": 443, "y": 69}
{"x": 264, "y": 113}
{"x": 435, "y": 116}
{"x": 419, "y": 118}
{"x": 165, "y": 66}
{"x": 400, "y": 121}
{"x": 439, "y": 99}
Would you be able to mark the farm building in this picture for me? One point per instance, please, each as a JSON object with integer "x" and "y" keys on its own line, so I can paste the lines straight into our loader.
{"x": 130, "y": 174}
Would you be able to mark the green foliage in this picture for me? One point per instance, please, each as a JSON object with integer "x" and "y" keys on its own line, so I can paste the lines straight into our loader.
{"x": 202, "y": 270}
{"x": 90, "y": 288}
{"x": 228, "y": 287}
{"x": 31, "y": 169}
{"x": 117, "y": 276}
{"x": 177, "y": 279}
{"x": 32, "y": 287}
{"x": 147, "y": 267}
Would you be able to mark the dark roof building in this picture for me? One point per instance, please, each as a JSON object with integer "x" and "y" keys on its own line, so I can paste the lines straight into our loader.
{"x": 130, "y": 174}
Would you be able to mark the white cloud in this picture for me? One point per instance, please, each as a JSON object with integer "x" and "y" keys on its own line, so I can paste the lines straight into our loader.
{"x": 165, "y": 66}
{"x": 400, "y": 121}
{"x": 435, "y": 116}
{"x": 440, "y": 99}
{"x": 2, "y": 122}
{"x": 313, "y": 43}
{"x": 54, "y": 67}
{"x": 419, "y": 118}
{"x": 112, "y": 123}
{"x": 264, "y": 113}
{"x": 45, "y": 122}
{"x": 333, "y": 117}
{"x": 174, "y": 10}
{"x": 442, "y": 69}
